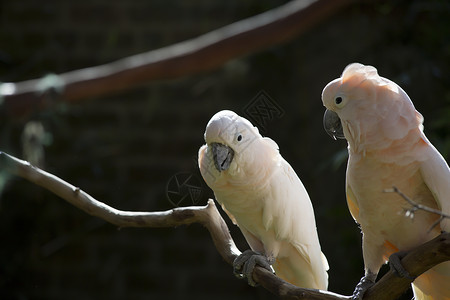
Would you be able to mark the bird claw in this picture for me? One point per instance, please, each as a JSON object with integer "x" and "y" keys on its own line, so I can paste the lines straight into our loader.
{"x": 245, "y": 263}
{"x": 363, "y": 285}
{"x": 396, "y": 266}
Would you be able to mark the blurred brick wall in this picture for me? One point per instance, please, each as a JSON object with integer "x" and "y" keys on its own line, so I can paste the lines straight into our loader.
{"x": 123, "y": 149}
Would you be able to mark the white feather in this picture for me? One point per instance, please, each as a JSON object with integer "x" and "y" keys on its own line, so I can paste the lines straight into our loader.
{"x": 262, "y": 194}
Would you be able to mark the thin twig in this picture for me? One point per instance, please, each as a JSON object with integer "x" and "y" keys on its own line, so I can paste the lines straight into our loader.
{"x": 390, "y": 286}
{"x": 417, "y": 206}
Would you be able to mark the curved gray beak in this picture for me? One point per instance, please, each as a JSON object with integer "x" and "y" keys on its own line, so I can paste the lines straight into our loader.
{"x": 222, "y": 156}
{"x": 333, "y": 125}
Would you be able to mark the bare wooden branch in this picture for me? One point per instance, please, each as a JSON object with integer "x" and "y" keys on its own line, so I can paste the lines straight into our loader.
{"x": 200, "y": 54}
{"x": 207, "y": 215}
{"x": 416, "y": 262}
{"x": 285, "y": 290}
{"x": 390, "y": 286}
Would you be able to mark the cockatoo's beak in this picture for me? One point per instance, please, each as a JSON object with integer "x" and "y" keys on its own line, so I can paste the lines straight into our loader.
{"x": 222, "y": 156}
{"x": 333, "y": 125}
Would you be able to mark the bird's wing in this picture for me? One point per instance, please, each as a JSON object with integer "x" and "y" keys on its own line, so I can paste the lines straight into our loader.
{"x": 436, "y": 175}
{"x": 289, "y": 213}
{"x": 352, "y": 203}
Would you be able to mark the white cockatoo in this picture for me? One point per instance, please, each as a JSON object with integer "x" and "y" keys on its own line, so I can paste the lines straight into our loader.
{"x": 387, "y": 147}
{"x": 261, "y": 193}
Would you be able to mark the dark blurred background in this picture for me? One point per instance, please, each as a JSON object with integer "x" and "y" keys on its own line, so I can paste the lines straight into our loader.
{"x": 124, "y": 149}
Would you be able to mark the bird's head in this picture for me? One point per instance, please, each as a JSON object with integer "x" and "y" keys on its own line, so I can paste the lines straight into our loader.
{"x": 365, "y": 108}
{"x": 234, "y": 147}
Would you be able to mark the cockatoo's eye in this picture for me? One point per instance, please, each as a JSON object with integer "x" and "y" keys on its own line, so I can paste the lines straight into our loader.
{"x": 239, "y": 138}
{"x": 339, "y": 101}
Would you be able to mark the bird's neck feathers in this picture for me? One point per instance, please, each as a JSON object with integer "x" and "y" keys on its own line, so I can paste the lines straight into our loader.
{"x": 254, "y": 165}
{"x": 400, "y": 151}
{"x": 388, "y": 127}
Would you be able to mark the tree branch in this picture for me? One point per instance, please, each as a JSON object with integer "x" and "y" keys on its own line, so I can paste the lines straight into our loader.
{"x": 207, "y": 215}
{"x": 199, "y": 54}
{"x": 390, "y": 286}
{"x": 416, "y": 262}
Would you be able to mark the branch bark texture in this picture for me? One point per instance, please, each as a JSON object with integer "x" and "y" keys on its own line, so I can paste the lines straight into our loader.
{"x": 390, "y": 286}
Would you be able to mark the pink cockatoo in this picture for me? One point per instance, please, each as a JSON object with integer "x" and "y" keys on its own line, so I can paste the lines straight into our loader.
{"x": 263, "y": 195}
{"x": 387, "y": 147}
